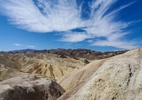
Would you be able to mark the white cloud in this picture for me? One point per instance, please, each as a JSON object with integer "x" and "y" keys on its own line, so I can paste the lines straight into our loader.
{"x": 61, "y": 16}
{"x": 24, "y": 46}
{"x": 17, "y": 44}
{"x": 65, "y": 15}
{"x": 90, "y": 41}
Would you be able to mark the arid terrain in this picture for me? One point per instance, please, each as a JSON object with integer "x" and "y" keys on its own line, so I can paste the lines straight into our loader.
{"x": 76, "y": 74}
{"x": 70, "y": 50}
{"x": 55, "y": 63}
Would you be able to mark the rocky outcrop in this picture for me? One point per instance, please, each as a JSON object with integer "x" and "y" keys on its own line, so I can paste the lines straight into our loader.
{"x": 116, "y": 78}
{"x": 30, "y": 87}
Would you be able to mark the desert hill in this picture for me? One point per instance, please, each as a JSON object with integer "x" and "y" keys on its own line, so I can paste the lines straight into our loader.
{"x": 115, "y": 78}
{"x": 55, "y": 63}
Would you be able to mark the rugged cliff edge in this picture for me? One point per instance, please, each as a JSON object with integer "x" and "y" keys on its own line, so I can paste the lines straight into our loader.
{"x": 116, "y": 78}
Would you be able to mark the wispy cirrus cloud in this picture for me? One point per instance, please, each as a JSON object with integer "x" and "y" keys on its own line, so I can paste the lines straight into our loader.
{"x": 74, "y": 36}
{"x": 45, "y": 16}
{"x": 17, "y": 44}
{"x": 24, "y": 46}
{"x": 65, "y": 15}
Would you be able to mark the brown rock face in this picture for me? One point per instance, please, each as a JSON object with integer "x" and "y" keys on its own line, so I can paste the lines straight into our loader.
{"x": 30, "y": 88}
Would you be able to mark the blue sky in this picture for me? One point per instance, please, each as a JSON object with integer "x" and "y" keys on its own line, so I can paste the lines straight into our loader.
{"x": 102, "y": 25}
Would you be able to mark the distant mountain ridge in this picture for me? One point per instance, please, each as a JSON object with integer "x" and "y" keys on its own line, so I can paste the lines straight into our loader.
{"x": 22, "y": 51}
{"x": 74, "y": 53}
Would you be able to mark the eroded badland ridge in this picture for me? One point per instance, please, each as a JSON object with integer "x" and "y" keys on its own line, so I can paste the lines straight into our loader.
{"x": 54, "y": 63}
{"x": 83, "y": 74}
